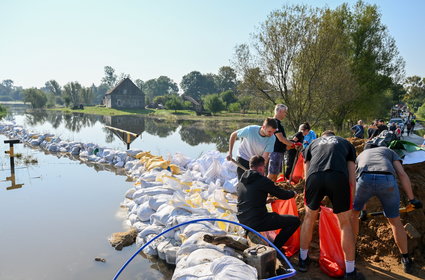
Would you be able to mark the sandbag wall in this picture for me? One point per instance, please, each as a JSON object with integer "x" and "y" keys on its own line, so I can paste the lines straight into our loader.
{"x": 167, "y": 193}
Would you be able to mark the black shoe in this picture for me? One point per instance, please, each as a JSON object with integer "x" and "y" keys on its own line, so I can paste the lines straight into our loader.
{"x": 407, "y": 265}
{"x": 303, "y": 264}
{"x": 355, "y": 275}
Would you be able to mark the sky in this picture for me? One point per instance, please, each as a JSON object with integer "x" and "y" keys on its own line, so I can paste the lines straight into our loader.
{"x": 74, "y": 40}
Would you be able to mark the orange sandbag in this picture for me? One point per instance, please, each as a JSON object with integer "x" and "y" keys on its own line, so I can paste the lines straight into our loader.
{"x": 298, "y": 173}
{"x": 281, "y": 178}
{"x": 288, "y": 207}
{"x": 331, "y": 259}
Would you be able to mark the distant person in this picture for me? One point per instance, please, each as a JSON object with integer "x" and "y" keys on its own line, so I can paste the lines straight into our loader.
{"x": 380, "y": 127}
{"x": 409, "y": 127}
{"x": 280, "y": 145}
{"x": 310, "y": 136}
{"x": 256, "y": 141}
{"x": 330, "y": 171}
{"x": 398, "y": 132}
{"x": 393, "y": 127}
{"x": 413, "y": 123}
{"x": 371, "y": 130}
{"x": 376, "y": 176}
{"x": 253, "y": 191}
{"x": 292, "y": 154}
{"x": 358, "y": 130}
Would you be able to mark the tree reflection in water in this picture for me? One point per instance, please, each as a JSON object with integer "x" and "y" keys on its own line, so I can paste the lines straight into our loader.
{"x": 192, "y": 132}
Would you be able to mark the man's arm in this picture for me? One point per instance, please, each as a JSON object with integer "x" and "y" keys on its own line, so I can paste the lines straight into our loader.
{"x": 232, "y": 140}
{"x": 306, "y": 167}
{"x": 351, "y": 166}
{"x": 276, "y": 191}
{"x": 404, "y": 179}
{"x": 266, "y": 156}
{"x": 283, "y": 139}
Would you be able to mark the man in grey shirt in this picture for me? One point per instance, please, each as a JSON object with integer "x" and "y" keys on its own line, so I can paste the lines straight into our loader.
{"x": 376, "y": 169}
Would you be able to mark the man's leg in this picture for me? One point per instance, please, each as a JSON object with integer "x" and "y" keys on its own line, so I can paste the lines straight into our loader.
{"x": 355, "y": 221}
{"x": 347, "y": 236}
{"x": 305, "y": 237}
{"x": 400, "y": 235}
{"x": 289, "y": 224}
{"x": 275, "y": 165}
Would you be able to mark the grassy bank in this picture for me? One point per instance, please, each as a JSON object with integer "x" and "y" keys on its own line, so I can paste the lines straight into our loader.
{"x": 162, "y": 113}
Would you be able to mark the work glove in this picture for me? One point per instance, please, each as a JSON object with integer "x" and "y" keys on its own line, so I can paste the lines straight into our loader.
{"x": 416, "y": 203}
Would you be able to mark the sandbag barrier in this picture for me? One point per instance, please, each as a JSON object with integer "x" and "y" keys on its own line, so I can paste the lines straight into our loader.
{"x": 166, "y": 193}
{"x": 291, "y": 270}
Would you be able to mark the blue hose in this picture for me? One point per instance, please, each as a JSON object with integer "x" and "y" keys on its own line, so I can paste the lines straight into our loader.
{"x": 291, "y": 269}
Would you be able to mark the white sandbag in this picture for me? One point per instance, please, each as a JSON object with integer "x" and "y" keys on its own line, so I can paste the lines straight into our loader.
{"x": 191, "y": 229}
{"x": 231, "y": 186}
{"x": 180, "y": 160}
{"x": 164, "y": 212}
{"x": 201, "y": 256}
{"x": 132, "y": 218}
{"x": 162, "y": 246}
{"x": 144, "y": 212}
{"x": 119, "y": 164}
{"x": 139, "y": 226}
{"x": 199, "y": 272}
{"x": 151, "y": 249}
{"x": 141, "y": 199}
{"x": 196, "y": 242}
{"x": 133, "y": 153}
{"x": 231, "y": 268}
{"x": 129, "y": 193}
{"x": 84, "y": 154}
{"x": 150, "y": 229}
{"x": 171, "y": 254}
{"x": 156, "y": 201}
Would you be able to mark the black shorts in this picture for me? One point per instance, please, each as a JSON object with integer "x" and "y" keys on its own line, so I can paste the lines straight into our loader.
{"x": 332, "y": 184}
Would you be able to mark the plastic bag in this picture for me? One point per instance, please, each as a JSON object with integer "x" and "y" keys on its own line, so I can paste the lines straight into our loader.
{"x": 288, "y": 207}
{"x": 298, "y": 173}
{"x": 331, "y": 259}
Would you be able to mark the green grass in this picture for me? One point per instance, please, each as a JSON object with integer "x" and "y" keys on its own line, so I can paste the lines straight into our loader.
{"x": 178, "y": 114}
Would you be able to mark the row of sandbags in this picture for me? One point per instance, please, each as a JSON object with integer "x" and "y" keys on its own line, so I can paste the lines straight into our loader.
{"x": 167, "y": 193}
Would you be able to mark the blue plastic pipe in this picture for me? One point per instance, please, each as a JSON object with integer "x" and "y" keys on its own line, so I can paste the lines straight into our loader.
{"x": 291, "y": 269}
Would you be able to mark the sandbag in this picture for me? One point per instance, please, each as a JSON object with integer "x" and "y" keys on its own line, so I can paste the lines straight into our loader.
{"x": 230, "y": 268}
{"x": 288, "y": 207}
{"x": 331, "y": 259}
{"x": 298, "y": 173}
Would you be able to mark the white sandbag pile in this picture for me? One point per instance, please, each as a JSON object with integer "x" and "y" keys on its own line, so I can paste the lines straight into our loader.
{"x": 168, "y": 193}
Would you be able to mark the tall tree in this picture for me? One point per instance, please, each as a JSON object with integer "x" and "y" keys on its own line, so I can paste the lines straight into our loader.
{"x": 36, "y": 97}
{"x": 110, "y": 78}
{"x": 197, "y": 85}
{"x": 415, "y": 92}
{"x": 226, "y": 79}
{"x": 54, "y": 87}
{"x": 163, "y": 85}
{"x": 72, "y": 91}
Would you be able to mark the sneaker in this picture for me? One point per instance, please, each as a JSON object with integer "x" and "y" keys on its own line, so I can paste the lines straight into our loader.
{"x": 303, "y": 264}
{"x": 355, "y": 275}
{"x": 407, "y": 265}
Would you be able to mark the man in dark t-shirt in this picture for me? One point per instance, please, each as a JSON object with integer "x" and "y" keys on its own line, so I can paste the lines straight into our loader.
{"x": 330, "y": 171}
{"x": 276, "y": 157}
{"x": 292, "y": 153}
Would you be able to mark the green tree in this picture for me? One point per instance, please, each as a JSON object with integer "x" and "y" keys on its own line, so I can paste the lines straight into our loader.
{"x": 54, "y": 87}
{"x": 36, "y": 97}
{"x": 174, "y": 102}
{"x": 226, "y": 79}
{"x": 197, "y": 85}
{"x": 110, "y": 78}
{"x": 228, "y": 97}
{"x": 415, "y": 92}
{"x": 213, "y": 103}
{"x": 72, "y": 91}
{"x": 87, "y": 95}
{"x": 235, "y": 107}
{"x": 163, "y": 85}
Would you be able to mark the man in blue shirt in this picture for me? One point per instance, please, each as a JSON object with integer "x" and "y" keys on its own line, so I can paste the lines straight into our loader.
{"x": 310, "y": 136}
{"x": 256, "y": 141}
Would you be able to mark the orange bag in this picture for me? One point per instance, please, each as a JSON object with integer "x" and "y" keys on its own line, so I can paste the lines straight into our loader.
{"x": 331, "y": 259}
{"x": 288, "y": 207}
{"x": 298, "y": 170}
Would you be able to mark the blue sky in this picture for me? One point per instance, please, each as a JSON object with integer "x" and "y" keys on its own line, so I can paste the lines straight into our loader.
{"x": 74, "y": 40}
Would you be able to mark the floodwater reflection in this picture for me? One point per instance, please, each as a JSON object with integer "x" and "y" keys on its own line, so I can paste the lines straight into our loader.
{"x": 154, "y": 134}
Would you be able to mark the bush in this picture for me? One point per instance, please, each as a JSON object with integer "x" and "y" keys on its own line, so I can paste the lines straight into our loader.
{"x": 213, "y": 103}
{"x": 235, "y": 107}
{"x": 174, "y": 103}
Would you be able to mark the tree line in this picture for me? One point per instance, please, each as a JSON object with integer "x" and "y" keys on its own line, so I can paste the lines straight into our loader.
{"x": 328, "y": 65}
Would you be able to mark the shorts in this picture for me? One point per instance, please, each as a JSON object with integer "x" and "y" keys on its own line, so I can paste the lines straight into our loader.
{"x": 275, "y": 163}
{"x": 332, "y": 184}
{"x": 382, "y": 186}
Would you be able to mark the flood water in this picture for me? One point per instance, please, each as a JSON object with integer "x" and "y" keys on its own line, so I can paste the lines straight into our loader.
{"x": 58, "y": 221}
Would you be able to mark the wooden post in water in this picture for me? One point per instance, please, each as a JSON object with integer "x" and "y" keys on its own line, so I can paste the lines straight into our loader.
{"x": 126, "y": 135}
{"x": 11, "y": 153}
